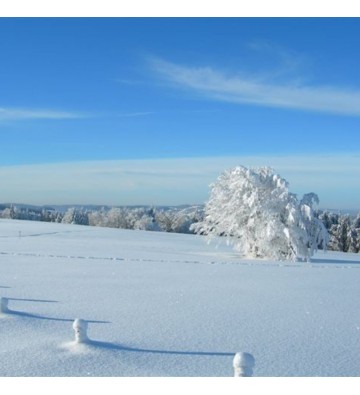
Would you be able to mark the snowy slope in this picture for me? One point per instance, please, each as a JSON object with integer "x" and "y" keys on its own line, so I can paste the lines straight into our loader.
{"x": 163, "y": 304}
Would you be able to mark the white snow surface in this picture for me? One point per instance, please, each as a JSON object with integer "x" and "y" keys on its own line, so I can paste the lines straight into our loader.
{"x": 160, "y": 304}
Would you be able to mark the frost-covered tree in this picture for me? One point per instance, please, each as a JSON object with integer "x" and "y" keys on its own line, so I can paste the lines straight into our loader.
{"x": 165, "y": 219}
{"x": 183, "y": 219}
{"x": 354, "y": 240}
{"x": 178, "y": 221}
{"x": 355, "y": 235}
{"x": 74, "y": 216}
{"x": 255, "y": 211}
{"x": 315, "y": 228}
{"x": 98, "y": 218}
{"x": 328, "y": 219}
{"x": 116, "y": 218}
{"x": 340, "y": 232}
{"x": 146, "y": 222}
{"x": 356, "y": 223}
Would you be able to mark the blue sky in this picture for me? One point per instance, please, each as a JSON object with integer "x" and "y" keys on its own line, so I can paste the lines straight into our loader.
{"x": 82, "y": 94}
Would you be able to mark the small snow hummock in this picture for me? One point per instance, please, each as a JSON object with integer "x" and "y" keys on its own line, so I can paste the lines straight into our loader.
{"x": 80, "y": 327}
{"x": 243, "y": 364}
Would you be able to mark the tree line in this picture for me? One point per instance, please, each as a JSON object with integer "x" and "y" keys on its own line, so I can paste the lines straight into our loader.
{"x": 343, "y": 229}
{"x": 169, "y": 219}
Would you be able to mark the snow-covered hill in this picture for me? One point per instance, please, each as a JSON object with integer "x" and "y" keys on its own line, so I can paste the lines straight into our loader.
{"x": 160, "y": 304}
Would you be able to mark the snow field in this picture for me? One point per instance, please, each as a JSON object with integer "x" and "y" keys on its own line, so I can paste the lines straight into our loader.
{"x": 161, "y": 304}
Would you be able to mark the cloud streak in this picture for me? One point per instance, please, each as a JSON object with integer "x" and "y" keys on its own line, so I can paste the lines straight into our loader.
{"x": 245, "y": 89}
{"x": 14, "y": 114}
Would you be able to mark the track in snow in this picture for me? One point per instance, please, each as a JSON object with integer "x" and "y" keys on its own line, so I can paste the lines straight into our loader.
{"x": 316, "y": 263}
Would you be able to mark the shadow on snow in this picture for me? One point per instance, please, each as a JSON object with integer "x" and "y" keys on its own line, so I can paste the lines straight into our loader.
{"x": 41, "y": 317}
{"x": 34, "y": 300}
{"x": 119, "y": 347}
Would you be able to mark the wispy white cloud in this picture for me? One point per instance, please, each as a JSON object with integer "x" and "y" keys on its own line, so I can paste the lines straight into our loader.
{"x": 174, "y": 181}
{"x": 251, "y": 89}
{"x": 276, "y": 63}
{"x": 16, "y": 114}
{"x": 13, "y": 114}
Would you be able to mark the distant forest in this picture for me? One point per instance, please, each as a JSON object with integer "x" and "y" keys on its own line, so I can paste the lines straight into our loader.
{"x": 344, "y": 229}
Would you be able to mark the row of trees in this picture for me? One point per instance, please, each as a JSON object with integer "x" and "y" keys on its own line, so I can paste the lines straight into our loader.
{"x": 31, "y": 214}
{"x": 172, "y": 219}
{"x": 343, "y": 229}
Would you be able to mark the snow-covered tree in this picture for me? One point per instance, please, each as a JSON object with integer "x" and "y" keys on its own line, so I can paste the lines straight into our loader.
{"x": 328, "y": 219}
{"x": 255, "y": 211}
{"x": 316, "y": 230}
{"x": 146, "y": 222}
{"x": 165, "y": 219}
{"x": 116, "y": 218}
{"x": 75, "y": 216}
{"x": 340, "y": 233}
{"x": 183, "y": 219}
{"x": 7, "y": 213}
{"x": 354, "y": 240}
{"x": 98, "y": 218}
{"x": 356, "y": 223}
{"x": 355, "y": 235}
{"x": 178, "y": 221}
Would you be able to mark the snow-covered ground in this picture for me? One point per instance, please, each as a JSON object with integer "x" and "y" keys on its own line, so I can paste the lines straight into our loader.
{"x": 160, "y": 304}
